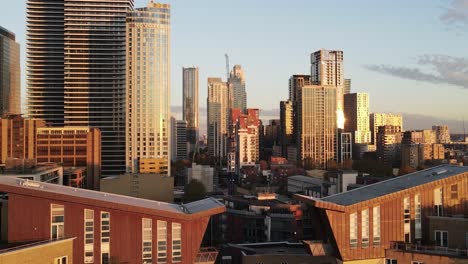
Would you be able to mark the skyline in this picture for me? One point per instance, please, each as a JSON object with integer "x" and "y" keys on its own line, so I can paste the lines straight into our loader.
{"x": 412, "y": 41}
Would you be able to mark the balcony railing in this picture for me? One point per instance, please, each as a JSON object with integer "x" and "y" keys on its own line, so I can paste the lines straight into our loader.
{"x": 206, "y": 255}
{"x": 433, "y": 250}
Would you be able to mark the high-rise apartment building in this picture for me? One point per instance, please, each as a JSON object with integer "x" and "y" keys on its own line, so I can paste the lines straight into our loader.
{"x": 317, "y": 126}
{"x": 327, "y": 70}
{"x": 148, "y": 86}
{"x": 286, "y": 125}
{"x": 347, "y": 86}
{"x": 18, "y": 137}
{"x": 9, "y": 73}
{"x": 442, "y": 134}
{"x": 72, "y": 147}
{"x": 245, "y": 148}
{"x": 296, "y": 82}
{"x": 237, "y": 93}
{"x": 76, "y": 62}
{"x": 179, "y": 143}
{"x": 389, "y": 145}
{"x": 356, "y": 112}
{"x": 217, "y": 127}
{"x": 383, "y": 119}
{"x": 190, "y": 102}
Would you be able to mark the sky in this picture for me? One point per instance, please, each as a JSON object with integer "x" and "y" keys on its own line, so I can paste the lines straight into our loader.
{"x": 410, "y": 56}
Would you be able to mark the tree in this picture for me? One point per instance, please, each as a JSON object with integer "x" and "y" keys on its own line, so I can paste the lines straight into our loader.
{"x": 194, "y": 191}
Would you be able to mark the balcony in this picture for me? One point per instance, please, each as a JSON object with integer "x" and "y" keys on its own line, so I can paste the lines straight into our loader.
{"x": 429, "y": 250}
{"x": 206, "y": 255}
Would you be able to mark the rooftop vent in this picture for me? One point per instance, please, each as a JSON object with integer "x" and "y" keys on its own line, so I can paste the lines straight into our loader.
{"x": 28, "y": 183}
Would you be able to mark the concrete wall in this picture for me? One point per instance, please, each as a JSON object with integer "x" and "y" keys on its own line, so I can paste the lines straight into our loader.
{"x": 147, "y": 186}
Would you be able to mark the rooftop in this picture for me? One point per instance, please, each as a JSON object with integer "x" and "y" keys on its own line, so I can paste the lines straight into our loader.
{"x": 395, "y": 184}
{"x": 272, "y": 248}
{"x": 207, "y": 206}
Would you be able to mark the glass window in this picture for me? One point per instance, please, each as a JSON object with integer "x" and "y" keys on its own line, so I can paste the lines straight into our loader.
{"x": 57, "y": 222}
{"x": 365, "y": 228}
{"x": 441, "y": 238}
{"x": 417, "y": 217}
{"x": 147, "y": 240}
{"x": 176, "y": 242}
{"x": 105, "y": 237}
{"x": 407, "y": 219}
{"x": 353, "y": 230}
{"x": 376, "y": 225}
{"x": 89, "y": 236}
{"x": 162, "y": 242}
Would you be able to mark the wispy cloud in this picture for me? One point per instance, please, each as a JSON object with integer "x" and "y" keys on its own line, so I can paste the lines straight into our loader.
{"x": 443, "y": 69}
{"x": 455, "y": 14}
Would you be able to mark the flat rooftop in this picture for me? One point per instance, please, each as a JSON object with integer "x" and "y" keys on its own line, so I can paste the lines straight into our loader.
{"x": 396, "y": 184}
{"x": 14, "y": 185}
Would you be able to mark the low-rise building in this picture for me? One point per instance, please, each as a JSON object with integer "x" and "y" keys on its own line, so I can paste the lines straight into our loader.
{"x": 30, "y": 170}
{"x": 109, "y": 228}
{"x": 142, "y": 185}
{"x": 413, "y": 210}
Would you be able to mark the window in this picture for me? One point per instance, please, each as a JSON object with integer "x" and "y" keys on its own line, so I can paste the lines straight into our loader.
{"x": 407, "y": 219}
{"x": 365, "y": 228}
{"x": 105, "y": 237}
{"x": 454, "y": 191}
{"x": 162, "y": 242}
{"x": 441, "y": 238}
{"x": 376, "y": 225}
{"x": 417, "y": 217}
{"x": 391, "y": 261}
{"x": 89, "y": 236}
{"x": 57, "y": 221}
{"x": 147, "y": 243}
{"x": 353, "y": 230}
{"x": 176, "y": 242}
{"x": 438, "y": 198}
{"x": 61, "y": 260}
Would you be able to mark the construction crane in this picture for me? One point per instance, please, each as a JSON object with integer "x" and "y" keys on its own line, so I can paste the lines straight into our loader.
{"x": 227, "y": 66}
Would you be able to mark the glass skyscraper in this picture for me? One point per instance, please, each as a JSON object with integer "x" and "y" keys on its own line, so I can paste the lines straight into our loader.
{"x": 76, "y": 69}
{"x": 190, "y": 102}
{"x": 9, "y": 73}
{"x": 148, "y": 87}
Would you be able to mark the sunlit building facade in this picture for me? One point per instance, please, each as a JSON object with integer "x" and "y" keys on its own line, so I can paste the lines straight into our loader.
{"x": 76, "y": 69}
{"x": 237, "y": 94}
{"x": 317, "y": 110}
{"x": 356, "y": 111}
{"x": 383, "y": 119}
{"x": 327, "y": 70}
{"x": 190, "y": 102}
{"x": 217, "y": 127}
{"x": 148, "y": 86}
{"x": 9, "y": 73}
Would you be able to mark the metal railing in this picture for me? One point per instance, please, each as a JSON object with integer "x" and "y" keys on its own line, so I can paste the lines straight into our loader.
{"x": 207, "y": 255}
{"x": 434, "y": 250}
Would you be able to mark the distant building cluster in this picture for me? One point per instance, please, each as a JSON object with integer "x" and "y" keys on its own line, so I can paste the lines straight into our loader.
{"x": 99, "y": 171}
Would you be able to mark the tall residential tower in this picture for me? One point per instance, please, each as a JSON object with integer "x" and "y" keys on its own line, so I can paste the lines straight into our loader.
{"x": 148, "y": 87}
{"x": 217, "y": 126}
{"x": 9, "y": 73}
{"x": 76, "y": 69}
{"x": 237, "y": 94}
{"x": 190, "y": 102}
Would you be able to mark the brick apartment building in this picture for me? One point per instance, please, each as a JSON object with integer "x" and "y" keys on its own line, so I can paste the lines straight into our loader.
{"x": 107, "y": 228}
{"x": 420, "y": 217}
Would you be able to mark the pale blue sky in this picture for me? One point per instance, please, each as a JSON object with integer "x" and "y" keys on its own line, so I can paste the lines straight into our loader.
{"x": 273, "y": 39}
